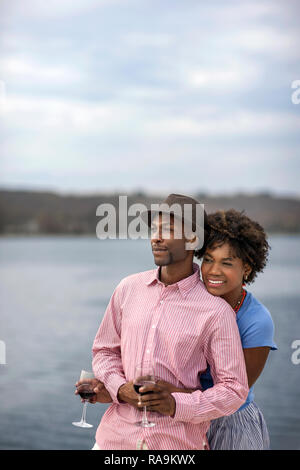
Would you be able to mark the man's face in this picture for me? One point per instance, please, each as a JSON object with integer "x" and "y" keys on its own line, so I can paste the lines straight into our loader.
{"x": 167, "y": 248}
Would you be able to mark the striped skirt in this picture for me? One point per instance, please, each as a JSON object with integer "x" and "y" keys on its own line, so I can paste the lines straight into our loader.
{"x": 243, "y": 430}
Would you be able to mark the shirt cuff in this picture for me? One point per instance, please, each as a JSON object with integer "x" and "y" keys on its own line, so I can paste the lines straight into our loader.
{"x": 115, "y": 382}
{"x": 185, "y": 407}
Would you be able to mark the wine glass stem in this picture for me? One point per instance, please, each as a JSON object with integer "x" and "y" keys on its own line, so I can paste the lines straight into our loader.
{"x": 144, "y": 418}
{"x": 83, "y": 417}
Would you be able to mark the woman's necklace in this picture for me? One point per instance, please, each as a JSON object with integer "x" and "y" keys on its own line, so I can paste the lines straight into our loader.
{"x": 240, "y": 302}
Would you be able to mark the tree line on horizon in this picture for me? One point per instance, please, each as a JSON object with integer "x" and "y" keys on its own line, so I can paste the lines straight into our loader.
{"x": 34, "y": 212}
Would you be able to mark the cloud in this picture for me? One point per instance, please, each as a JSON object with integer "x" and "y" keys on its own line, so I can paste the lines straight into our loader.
{"x": 15, "y": 68}
{"x": 2, "y": 96}
{"x": 55, "y": 8}
{"x": 143, "y": 39}
{"x": 243, "y": 13}
{"x": 67, "y": 116}
{"x": 270, "y": 41}
{"x": 146, "y": 94}
{"x": 118, "y": 119}
{"x": 228, "y": 77}
{"x": 230, "y": 125}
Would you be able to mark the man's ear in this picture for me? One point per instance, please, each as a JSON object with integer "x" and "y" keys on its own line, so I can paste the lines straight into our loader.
{"x": 192, "y": 244}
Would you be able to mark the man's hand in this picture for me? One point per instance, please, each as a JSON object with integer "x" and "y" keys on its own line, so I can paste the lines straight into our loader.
{"x": 127, "y": 394}
{"x": 102, "y": 395}
{"x": 160, "y": 400}
{"x": 162, "y": 390}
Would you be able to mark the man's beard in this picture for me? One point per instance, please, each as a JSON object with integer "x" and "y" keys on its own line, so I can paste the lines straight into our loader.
{"x": 165, "y": 262}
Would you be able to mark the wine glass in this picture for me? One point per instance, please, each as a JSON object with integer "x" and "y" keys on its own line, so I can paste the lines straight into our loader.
{"x": 86, "y": 391}
{"x": 144, "y": 374}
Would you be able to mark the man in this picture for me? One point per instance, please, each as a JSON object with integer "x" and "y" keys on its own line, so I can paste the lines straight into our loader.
{"x": 168, "y": 317}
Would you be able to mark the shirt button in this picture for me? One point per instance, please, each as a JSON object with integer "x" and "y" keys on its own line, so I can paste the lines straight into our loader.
{"x": 153, "y": 326}
{"x": 161, "y": 302}
{"x": 148, "y": 351}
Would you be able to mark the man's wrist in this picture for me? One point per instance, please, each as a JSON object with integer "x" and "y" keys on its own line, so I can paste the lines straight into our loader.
{"x": 120, "y": 395}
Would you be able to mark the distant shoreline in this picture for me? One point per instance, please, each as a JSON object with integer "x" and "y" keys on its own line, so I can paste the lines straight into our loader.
{"x": 33, "y": 213}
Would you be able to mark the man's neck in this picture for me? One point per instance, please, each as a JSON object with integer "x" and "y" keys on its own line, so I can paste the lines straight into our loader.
{"x": 175, "y": 272}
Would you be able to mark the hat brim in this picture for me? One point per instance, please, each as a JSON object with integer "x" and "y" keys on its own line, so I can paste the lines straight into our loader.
{"x": 147, "y": 217}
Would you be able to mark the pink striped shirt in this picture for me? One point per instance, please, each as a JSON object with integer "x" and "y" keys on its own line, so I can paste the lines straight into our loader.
{"x": 182, "y": 328}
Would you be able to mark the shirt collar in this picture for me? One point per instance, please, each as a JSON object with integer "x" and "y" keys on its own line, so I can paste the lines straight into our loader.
{"x": 185, "y": 285}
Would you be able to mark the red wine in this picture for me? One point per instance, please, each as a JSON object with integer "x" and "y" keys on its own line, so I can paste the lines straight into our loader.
{"x": 138, "y": 386}
{"x": 86, "y": 394}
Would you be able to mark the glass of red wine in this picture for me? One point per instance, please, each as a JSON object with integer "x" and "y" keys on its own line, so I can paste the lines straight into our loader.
{"x": 144, "y": 375}
{"x": 85, "y": 390}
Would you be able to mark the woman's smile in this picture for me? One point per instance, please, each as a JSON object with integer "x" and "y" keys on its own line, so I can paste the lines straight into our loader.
{"x": 214, "y": 283}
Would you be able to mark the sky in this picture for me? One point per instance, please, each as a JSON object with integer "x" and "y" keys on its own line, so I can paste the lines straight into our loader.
{"x": 150, "y": 95}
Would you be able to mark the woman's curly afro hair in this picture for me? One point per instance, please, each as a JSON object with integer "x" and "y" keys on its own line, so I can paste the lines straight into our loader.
{"x": 246, "y": 237}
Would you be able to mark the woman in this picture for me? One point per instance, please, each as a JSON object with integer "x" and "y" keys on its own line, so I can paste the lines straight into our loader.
{"x": 235, "y": 252}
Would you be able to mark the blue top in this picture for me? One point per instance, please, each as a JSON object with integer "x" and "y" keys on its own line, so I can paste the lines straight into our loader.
{"x": 256, "y": 330}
